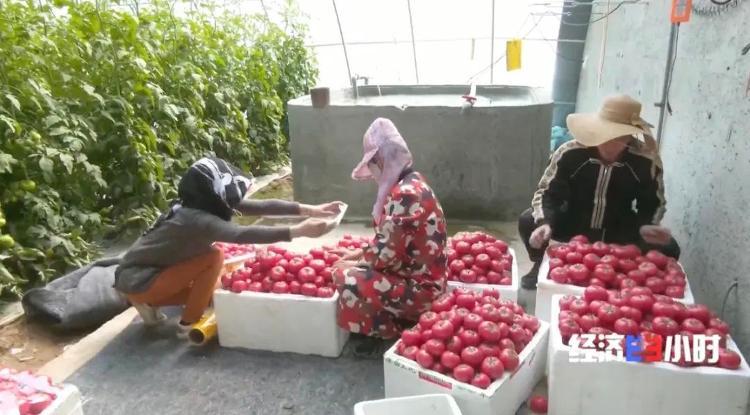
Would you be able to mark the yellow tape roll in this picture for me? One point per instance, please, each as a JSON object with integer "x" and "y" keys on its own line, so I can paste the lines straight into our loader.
{"x": 204, "y": 330}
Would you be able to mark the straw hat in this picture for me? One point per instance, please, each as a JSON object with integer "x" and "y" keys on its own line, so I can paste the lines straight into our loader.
{"x": 620, "y": 115}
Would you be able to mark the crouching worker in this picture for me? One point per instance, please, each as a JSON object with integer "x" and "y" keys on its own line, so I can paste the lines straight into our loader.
{"x": 175, "y": 262}
{"x": 606, "y": 184}
{"x": 387, "y": 285}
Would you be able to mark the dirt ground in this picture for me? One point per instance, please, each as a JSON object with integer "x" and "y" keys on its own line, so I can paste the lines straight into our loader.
{"x": 26, "y": 345}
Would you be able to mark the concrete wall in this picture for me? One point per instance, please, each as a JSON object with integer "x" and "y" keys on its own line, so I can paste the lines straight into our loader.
{"x": 705, "y": 145}
{"x": 483, "y": 162}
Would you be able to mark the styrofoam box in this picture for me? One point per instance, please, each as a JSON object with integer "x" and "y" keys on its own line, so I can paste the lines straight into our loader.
{"x": 404, "y": 377}
{"x": 506, "y": 291}
{"x": 437, "y": 404}
{"x": 67, "y": 403}
{"x": 625, "y": 388}
{"x": 279, "y": 322}
{"x": 546, "y": 288}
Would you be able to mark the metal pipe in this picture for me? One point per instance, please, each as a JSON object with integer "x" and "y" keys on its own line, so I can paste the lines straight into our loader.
{"x": 343, "y": 43}
{"x": 492, "y": 45}
{"x": 667, "y": 81}
{"x": 469, "y": 39}
{"x": 413, "y": 43}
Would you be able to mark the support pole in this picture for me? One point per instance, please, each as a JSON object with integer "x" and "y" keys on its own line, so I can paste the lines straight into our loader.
{"x": 667, "y": 81}
{"x": 413, "y": 43}
{"x": 492, "y": 45}
{"x": 343, "y": 43}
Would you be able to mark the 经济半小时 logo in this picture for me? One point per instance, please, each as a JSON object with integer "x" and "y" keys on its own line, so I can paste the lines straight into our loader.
{"x": 648, "y": 348}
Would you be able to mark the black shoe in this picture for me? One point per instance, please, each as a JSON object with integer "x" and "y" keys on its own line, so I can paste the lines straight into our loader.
{"x": 369, "y": 348}
{"x": 528, "y": 281}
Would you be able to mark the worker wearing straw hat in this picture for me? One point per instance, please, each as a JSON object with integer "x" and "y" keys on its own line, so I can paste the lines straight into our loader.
{"x": 605, "y": 184}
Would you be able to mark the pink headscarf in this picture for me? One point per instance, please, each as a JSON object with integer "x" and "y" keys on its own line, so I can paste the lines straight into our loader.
{"x": 383, "y": 142}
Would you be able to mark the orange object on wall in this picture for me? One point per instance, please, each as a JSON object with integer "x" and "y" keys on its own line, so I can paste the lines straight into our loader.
{"x": 681, "y": 10}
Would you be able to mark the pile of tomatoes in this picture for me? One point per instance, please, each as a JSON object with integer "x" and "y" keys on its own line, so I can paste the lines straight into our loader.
{"x": 615, "y": 266}
{"x": 235, "y": 250}
{"x": 277, "y": 270}
{"x": 475, "y": 257}
{"x": 474, "y": 338}
{"x": 25, "y": 393}
{"x": 636, "y": 311}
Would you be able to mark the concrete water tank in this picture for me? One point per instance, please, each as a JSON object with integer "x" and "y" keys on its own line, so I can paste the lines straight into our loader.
{"x": 484, "y": 162}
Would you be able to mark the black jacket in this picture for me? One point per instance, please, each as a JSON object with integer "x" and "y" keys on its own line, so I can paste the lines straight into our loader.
{"x": 578, "y": 194}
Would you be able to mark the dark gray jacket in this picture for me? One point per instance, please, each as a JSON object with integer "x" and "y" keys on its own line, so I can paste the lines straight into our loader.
{"x": 190, "y": 233}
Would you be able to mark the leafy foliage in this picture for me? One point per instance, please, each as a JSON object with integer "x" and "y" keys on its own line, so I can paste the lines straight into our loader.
{"x": 101, "y": 110}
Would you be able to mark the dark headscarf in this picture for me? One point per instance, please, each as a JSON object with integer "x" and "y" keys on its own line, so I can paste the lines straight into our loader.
{"x": 211, "y": 185}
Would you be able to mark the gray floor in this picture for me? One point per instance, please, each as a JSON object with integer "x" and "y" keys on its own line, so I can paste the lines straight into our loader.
{"x": 148, "y": 371}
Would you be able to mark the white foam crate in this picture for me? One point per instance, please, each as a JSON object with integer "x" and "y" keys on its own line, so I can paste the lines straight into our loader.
{"x": 506, "y": 291}
{"x": 437, "y": 404}
{"x": 67, "y": 403}
{"x": 404, "y": 377}
{"x": 279, "y": 322}
{"x": 626, "y": 388}
{"x": 547, "y": 288}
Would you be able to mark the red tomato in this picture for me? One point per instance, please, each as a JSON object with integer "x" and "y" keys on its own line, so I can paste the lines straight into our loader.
{"x": 478, "y": 271}
{"x": 711, "y": 332}
{"x": 666, "y": 310}
{"x": 565, "y": 302}
{"x": 580, "y": 239}
{"x": 468, "y": 276}
{"x": 325, "y": 292}
{"x": 656, "y": 284}
{"x": 443, "y": 303}
{"x": 506, "y": 281}
{"x": 588, "y": 321}
{"x": 307, "y": 274}
{"x": 569, "y": 327}
{"x": 477, "y": 248}
{"x": 627, "y": 265}
{"x": 591, "y": 261}
{"x": 608, "y": 314}
{"x": 443, "y": 330}
{"x": 610, "y": 260}
{"x": 595, "y": 293}
{"x": 648, "y": 268}
{"x": 494, "y": 277}
{"x": 510, "y": 360}
{"x": 309, "y": 289}
{"x": 489, "y": 349}
{"x": 277, "y": 273}
{"x": 463, "y": 248}
{"x": 501, "y": 246}
{"x": 659, "y": 259}
{"x": 295, "y": 265}
{"x": 283, "y": 263}
{"x": 600, "y": 248}
{"x": 530, "y": 322}
{"x": 472, "y": 321}
{"x": 318, "y": 265}
{"x": 450, "y": 359}
{"x": 594, "y": 305}
{"x": 717, "y": 324}
{"x": 294, "y": 287}
{"x": 642, "y": 302}
{"x": 631, "y": 313}
{"x": 489, "y": 331}
{"x": 467, "y": 301}
{"x": 483, "y": 261}
{"x": 434, "y": 347}
{"x": 239, "y": 286}
{"x": 579, "y": 306}
{"x": 463, "y": 373}
{"x": 578, "y": 273}
{"x": 267, "y": 284}
{"x": 700, "y": 312}
{"x": 455, "y": 344}
{"x": 605, "y": 273}
{"x": 426, "y": 335}
{"x": 428, "y": 319}
{"x": 675, "y": 291}
{"x": 493, "y": 367}
{"x": 627, "y": 283}
{"x": 626, "y": 326}
{"x": 560, "y": 251}
{"x": 665, "y": 326}
{"x": 559, "y": 275}
{"x": 319, "y": 281}
{"x": 693, "y": 325}
{"x": 425, "y": 359}
{"x": 469, "y": 338}
{"x": 472, "y": 356}
{"x": 620, "y": 252}
{"x": 506, "y": 315}
{"x": 538, "y": 404}
{"x": 457, "y": 266}
{"x": 493, "y": 252}
{"x": 574, "y": 258}
{"x": 728, "y": 359}
{"x": 481, "y": 381}
{"x": 280, "y": 287}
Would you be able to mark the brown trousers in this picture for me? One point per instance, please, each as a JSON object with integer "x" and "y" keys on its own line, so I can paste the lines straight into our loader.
{"x": 190, "y": 283}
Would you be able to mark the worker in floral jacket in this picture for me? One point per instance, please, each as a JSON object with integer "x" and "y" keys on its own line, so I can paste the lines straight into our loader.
{"x": 387, "y": 285}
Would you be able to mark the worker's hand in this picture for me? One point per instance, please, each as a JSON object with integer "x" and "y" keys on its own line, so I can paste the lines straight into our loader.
{"x": 352, "y": 255}
{"x": 323, "y": 210}
{"x": 540, "y": 236}
{"x": 311, "y": 228}
{"x": 656, "y": 235}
